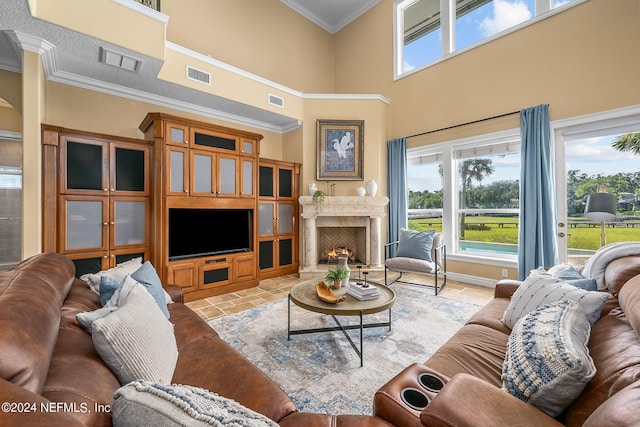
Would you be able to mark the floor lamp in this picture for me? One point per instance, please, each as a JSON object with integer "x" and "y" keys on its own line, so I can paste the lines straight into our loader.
{"x": 601, "y": 206}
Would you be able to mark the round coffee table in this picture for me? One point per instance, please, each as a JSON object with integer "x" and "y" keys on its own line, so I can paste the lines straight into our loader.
{"x": 304, "y": 295}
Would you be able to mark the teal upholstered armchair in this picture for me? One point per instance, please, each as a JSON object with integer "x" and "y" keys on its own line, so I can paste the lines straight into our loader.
{"x": 418, "y": 253}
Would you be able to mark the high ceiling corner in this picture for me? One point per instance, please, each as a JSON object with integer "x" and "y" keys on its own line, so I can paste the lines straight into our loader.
{"x": 331, "y": 15}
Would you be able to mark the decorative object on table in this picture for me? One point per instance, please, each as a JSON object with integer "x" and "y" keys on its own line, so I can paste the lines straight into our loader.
{"x": 359, "y": 282}
{"x": 325, "y": 294}
{"x": 365, "y": 284}
{"x": 343, "y": 262}
{"x": 336, "y": 275}
{"x": 601, "y": 206}
{"x": 340, "y": 149}
{"x": 313, "y": 188}
{"x": 362, "y": 292}
{"x": 318, "y": 200}
{"x": 372, "y": 187}
{"x": 361, "y": 191}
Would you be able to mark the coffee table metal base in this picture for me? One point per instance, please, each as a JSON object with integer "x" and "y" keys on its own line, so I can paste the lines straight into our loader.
{"x": 340, "y": 327}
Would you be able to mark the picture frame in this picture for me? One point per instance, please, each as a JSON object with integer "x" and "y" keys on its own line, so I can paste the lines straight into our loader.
{"x": 340, "y": 146}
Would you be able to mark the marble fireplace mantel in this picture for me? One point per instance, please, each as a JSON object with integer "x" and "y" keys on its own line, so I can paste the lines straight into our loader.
{"x": 341, "y": 211}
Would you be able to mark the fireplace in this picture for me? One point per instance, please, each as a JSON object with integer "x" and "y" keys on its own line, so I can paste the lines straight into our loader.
{"x": 341, "y": 241}
{"x": 352, "y": 224}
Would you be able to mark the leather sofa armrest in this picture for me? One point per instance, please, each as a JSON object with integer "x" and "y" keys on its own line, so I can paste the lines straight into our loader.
{"x": 505, "y": 288}
{"x": 467, "y": 401}
{"x": 23, "y": 407}
{"x": 175, "y": 292}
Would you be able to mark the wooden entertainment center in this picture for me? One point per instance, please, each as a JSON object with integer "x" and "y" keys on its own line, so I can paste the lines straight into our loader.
{"x": 108, "y": 199}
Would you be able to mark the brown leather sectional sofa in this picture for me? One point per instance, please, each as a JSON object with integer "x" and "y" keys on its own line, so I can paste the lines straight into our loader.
{"x": 51, "y": 374}
{"x": 470, "y": 367}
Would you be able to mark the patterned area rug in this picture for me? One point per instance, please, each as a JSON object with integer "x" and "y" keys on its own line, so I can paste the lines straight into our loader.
{"x": 321, "y": 372}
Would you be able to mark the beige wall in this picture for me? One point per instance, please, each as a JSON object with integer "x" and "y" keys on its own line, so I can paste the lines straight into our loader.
{"x": 264, "y": 37}
{"x": 81, "y": 109}
{"x": 577, "y": 61}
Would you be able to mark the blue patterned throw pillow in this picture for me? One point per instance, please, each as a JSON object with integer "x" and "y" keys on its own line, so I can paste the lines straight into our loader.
{"x": 547, "y": 362}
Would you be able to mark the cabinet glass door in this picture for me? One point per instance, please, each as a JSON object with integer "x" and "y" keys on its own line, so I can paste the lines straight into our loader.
{"x": 285, "y": 183}
{"x": 266, "y": 260}
{"x": 285, "y": 252}
{"x": 202, "y": 173}
{"x": 177, "y": 171}
{"x": 85, "y": 225}
{"x": 285, "y": 218}
{"x": 130, "y": 168}
{"x": 265, "y": 219}
{"x": 86, "y": 166}
{"x": 227, "y": 176}
{"x": 130, "y": 222}
{"x": 247, "y": 178}
{"x": 266, "y": 181}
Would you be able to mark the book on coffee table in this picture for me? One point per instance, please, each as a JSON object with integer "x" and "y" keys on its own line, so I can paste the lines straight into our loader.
{"x": 363, "y": 293}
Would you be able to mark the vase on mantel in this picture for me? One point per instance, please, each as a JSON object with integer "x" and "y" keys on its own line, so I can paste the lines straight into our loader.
{"x": 342, "y": 262}
{"x": 372, "y": 187}
{"x": 313, "y": 188}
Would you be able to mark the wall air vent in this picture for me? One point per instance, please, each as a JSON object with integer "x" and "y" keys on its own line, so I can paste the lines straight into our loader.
{"x": 119, "y": 60}
{"x": 198, "y": 75}
{"x": 276, "y": 100}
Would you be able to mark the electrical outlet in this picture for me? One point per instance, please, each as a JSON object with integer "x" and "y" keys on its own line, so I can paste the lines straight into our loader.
{"x": 505, "y": 272}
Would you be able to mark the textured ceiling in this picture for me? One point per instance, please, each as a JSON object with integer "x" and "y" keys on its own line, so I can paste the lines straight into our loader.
{"x": 72, "y": 58}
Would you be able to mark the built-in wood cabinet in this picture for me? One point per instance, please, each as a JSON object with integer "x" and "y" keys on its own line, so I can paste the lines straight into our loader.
{"x": 97, "y": 203}
{"x": 205, "y": 170}
{"x": 277, "y": 218}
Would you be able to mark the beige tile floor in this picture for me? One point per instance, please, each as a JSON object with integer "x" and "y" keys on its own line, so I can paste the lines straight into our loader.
{"x": 277, "y": 288}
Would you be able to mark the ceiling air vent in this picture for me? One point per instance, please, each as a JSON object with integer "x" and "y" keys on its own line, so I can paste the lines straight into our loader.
{"x": 276, "y": 100}
{"x": 119, "y": 60}
{"x": 198, "y": 75}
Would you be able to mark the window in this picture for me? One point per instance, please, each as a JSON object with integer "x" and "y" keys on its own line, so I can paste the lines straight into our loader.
{"x": 488, "y": 189}
{"x": 426, "y": 32}
{"x": 10, "y": 202}
{"x": 469, "y": 189}
{"x": 425, "y": 200}
{"x": 595, "y": 159}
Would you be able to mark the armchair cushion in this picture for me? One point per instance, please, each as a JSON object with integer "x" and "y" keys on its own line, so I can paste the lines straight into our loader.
{"x": 415, "y": 244}
{"x": 410, "y": 265}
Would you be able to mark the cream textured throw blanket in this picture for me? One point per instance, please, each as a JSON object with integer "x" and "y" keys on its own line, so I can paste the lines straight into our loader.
{"x": 598, "y": 262}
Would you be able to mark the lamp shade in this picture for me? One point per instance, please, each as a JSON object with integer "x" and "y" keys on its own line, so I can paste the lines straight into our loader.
{"x": 601, "y": 207}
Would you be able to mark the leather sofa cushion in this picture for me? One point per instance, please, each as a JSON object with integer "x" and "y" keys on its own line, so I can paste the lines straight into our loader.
{"x": 614, "y": 347}
{"x": 620, "y": 410}
{"x": 43, "y": 282}
{"x": 629, "y": 298}
{"x": 475, "y": 349}
{"x": 619, "y": 271}
{"x": 213, "y": 364}
{"x": 491, "y": 315}
{"x": 188, "y": 326}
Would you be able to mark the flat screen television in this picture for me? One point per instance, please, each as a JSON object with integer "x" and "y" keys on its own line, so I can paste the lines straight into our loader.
{"x": 204, "y": 232}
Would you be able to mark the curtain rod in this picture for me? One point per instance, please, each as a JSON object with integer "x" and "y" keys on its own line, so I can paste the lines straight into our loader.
{"x": 465, "y": 124}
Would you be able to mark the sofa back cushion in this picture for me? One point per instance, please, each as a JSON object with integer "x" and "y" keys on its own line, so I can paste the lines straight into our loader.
{"x": 619, "y": 271}
{"x": 614, "y": 346}
{"x": 30, "y": 299}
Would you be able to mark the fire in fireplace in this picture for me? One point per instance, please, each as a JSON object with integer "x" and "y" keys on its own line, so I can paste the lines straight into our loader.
{"x": 331, "y": 256}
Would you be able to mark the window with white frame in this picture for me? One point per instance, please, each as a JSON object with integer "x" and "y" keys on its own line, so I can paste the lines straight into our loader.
{"x": 470, "y": 190}
{"x": 427, "y": 30}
